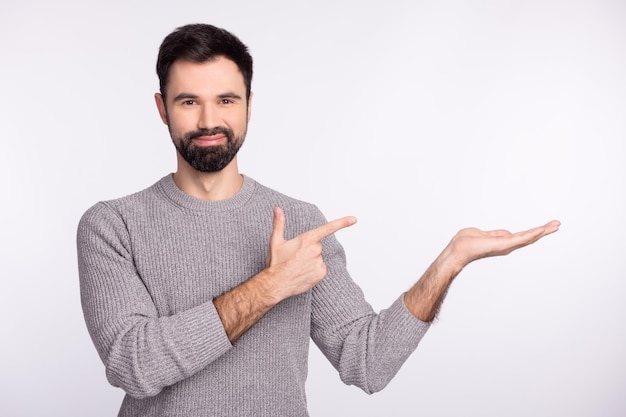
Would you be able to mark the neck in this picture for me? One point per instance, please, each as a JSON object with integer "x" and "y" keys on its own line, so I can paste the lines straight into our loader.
{"x": 208, "y": 185}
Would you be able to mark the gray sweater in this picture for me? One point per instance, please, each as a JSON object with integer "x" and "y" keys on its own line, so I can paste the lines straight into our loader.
{"x": 150, "y": 265}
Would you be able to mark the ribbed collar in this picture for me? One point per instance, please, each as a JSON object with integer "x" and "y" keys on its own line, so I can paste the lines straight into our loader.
{"x": 170, "y": 190}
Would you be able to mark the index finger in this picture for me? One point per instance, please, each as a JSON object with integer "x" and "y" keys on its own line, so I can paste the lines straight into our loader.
{"x": 331, "y": 227}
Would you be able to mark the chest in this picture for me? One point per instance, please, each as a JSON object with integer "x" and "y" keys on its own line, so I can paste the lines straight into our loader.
{"x": 187, "y": 260}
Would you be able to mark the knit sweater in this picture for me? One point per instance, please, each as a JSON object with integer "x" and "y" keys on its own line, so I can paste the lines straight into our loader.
{"x": 150, "y": 265}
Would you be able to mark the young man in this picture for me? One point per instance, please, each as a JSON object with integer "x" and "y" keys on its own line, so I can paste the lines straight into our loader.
{"x": 201, "y": 292}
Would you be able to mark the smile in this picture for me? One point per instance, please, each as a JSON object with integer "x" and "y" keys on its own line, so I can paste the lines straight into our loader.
{"x": 210, "y": 140}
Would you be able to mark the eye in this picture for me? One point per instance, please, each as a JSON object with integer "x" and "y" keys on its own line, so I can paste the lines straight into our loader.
{"x": 188, "y": 102}
{"x": 226, "y": 101}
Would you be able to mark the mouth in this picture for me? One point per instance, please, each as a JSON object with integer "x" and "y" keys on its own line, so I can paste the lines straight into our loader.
{"x": 210, "y": 140}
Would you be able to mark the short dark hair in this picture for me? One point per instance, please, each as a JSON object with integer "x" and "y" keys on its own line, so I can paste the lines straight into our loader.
{"x": 200, "y": 43}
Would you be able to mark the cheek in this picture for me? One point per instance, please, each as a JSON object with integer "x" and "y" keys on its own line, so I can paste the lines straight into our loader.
{"x": 239, "y": 122}
{"x": 179, "y": 125}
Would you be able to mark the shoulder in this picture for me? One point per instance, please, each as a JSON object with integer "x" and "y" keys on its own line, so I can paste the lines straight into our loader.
{"x": 116, "y": 210}
{"x": 302, "y": 215}
{"x": 298, "y": 207}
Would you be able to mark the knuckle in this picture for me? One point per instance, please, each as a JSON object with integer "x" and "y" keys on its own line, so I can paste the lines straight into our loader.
{"x": 307, "y": 239}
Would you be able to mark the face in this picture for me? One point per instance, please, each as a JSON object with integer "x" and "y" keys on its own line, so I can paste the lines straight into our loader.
{"x": 206, "y": 112}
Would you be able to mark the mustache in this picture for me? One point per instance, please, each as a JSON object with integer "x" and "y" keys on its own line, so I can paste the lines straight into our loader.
{"x": 218, "y": 130}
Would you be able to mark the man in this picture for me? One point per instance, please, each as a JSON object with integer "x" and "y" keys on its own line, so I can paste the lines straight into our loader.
{"x": 201, "y": 292}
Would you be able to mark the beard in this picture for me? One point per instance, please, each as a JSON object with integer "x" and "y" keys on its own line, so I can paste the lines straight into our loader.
{"x": 208, "y": 158}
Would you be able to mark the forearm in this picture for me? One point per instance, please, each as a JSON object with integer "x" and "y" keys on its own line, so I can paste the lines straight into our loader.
{"x": 424, "y": 299}
{"x": 240, "y": 308}
{"x": 150, "y": 353}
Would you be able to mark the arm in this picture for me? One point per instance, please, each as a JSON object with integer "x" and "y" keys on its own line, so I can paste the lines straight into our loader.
{"x": 368, "y": 349}
{"x": 426, "y": 296}
{"x": 142, "y": 351}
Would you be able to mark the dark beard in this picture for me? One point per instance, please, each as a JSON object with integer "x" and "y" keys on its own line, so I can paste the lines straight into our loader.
{"x": 208, "y": 158}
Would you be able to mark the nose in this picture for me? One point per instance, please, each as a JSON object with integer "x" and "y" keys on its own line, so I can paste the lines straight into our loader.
{"x": 209, "y": 117}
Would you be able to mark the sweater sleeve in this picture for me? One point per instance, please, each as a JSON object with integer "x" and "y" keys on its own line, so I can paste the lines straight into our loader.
{"x": 366, "y": 348}
{"x": 142, "y": 352}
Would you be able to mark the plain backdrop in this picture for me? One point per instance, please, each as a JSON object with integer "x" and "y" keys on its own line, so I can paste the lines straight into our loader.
{"x": 418, "y": 117}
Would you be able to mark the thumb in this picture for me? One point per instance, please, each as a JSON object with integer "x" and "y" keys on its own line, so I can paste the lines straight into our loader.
{"x": 278, "y": 232}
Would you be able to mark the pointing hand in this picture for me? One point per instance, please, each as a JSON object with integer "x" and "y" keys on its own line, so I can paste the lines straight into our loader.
{"x": 297, "y": 264}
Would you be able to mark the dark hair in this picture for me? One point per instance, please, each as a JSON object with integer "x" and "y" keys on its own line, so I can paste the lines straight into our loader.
{"x": 200, "y": 43}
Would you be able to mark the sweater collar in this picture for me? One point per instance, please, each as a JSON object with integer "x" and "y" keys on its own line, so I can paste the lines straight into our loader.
{"x": 170, "y": 190}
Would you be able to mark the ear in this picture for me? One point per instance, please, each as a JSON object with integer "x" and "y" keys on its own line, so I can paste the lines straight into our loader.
{"x": 160, "y": 103}
{"x": 250, "y": 106}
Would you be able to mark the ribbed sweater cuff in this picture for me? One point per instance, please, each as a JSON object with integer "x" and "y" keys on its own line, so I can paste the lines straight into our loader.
{"x": 205, "y": 332}
{"x": 415, "y": 328}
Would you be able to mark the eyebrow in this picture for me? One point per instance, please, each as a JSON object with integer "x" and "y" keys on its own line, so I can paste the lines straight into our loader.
{"x": 229, "y": 94}
{"x": 189, "y": 96}
{"x": 185, "y": 96}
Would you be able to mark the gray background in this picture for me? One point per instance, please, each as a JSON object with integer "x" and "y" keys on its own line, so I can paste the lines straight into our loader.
{"x": 418, "y": 117}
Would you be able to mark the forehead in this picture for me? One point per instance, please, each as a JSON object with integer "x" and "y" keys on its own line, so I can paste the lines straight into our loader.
{"x": 205, "y": 78}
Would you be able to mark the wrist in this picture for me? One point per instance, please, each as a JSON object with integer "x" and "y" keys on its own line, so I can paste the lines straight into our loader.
{"x": 267, "y": 288}
{"x": 449, "y": 263}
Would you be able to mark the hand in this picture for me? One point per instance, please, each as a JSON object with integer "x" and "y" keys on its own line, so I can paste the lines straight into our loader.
{"x": 293, "y": 267}
{"x": 426, "y": 296}
{"x": 471, "y": 244}
{"x": 297, "y": 263}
